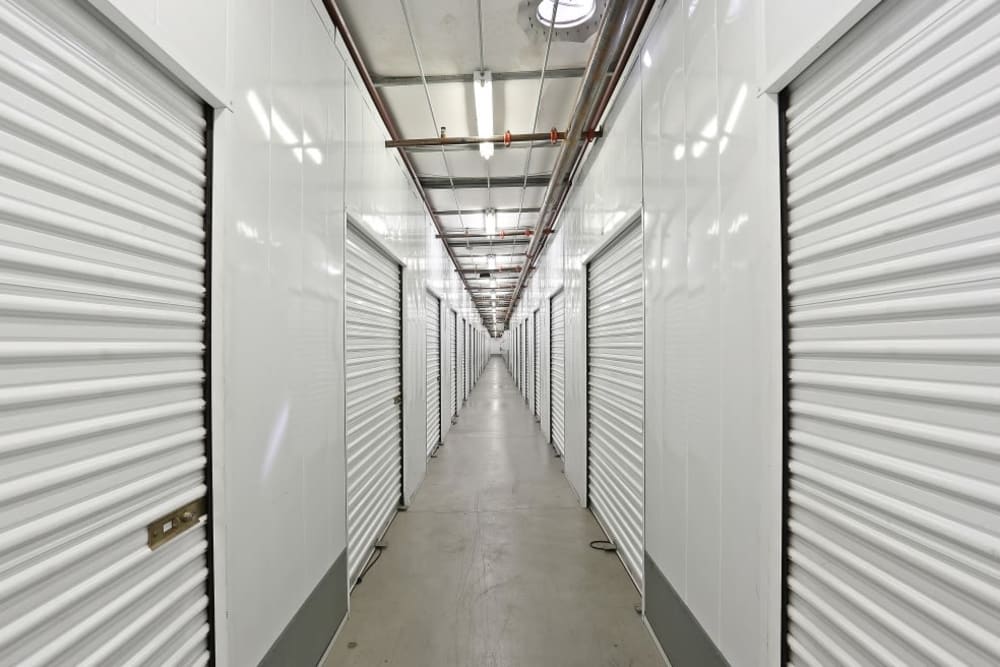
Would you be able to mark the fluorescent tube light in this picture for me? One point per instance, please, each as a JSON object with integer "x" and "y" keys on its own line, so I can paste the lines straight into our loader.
{"x": 490, "y": 220}
{"x": 483, "y": 88}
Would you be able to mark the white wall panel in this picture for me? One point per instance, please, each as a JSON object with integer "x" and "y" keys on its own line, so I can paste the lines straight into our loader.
{"x": 713, "y": 379}
{"x": 796, "y": 33}
{"x": 280, "y": 244}
{"x": 188, "y": 37}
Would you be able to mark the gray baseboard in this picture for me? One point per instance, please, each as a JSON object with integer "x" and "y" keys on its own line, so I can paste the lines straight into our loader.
{"x": 309, "y": 633}
{"x": 681, "y": 636}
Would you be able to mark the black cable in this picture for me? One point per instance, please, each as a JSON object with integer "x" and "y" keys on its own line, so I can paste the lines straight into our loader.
{"x": 379, "y": 548}
{"x": 603, "y": 545}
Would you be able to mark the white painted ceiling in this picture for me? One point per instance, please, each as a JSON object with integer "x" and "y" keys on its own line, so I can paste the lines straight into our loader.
{"x": 447, "y": 35}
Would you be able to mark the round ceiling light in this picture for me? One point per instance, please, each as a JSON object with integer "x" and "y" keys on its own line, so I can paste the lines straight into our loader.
{"x": 574, "y": 20}
{"x": 569, "y": 14}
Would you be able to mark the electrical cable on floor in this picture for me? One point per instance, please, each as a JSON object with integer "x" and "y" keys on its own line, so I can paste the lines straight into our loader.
{"x": 603, "y": 545}
{"x": 379, "y": 548}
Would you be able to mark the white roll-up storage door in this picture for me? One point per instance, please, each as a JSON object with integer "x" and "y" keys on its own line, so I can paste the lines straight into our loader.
{"x": 521, "y": 358}
{"x": 374, "y": 396}
{"x": 514, "y": 342}
{"x": 615, "y": 395}
{"x": 534, "y": 361}
{"x": 453, "y": 344}
{"x": 433, "y": 340}
{"x": 102, "y": 359}
{"x": 461, "y": 362}
{"x": 557, "y": 371}
{"x": 893, "y": 166}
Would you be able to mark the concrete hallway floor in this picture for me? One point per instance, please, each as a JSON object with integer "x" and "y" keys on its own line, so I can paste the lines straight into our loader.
{"x": 491, "y": 566}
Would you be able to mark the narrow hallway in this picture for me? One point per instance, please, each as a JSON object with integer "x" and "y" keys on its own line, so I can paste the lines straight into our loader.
{"x": 491, "y": 565}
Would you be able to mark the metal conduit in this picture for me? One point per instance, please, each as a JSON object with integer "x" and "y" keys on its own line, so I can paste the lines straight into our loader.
{"x": 619, "y": 31}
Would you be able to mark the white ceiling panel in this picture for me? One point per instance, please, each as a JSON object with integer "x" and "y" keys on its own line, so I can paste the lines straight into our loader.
{"x": 428, "y": 163}
{"x": 442, "y": 199}
{"x": 543, "y": 160}
{"x": 454, "y": 108}
{"x": 447, "y": 34}
{"x": 514, "y": 103}
{"x": 467, "y": 164}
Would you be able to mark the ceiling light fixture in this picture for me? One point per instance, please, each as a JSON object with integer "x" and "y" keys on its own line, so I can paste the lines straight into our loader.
{"x": 482, "y": 86}
{"x": 490, "y": 220}
{"x": 569, "y": 14}
{"x": 491, "y": 261}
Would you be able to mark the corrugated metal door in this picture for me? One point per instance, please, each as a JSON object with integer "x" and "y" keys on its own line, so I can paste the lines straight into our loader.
{"x": 522, "y": 358}
{"x": 453, "y": 344}
{"x": 526, "y": 330}
{"x": 374, "y": 396}
{"x": 102, "y": 354}
{"x": 557, "y": 373}
{"x": 517, "y": 356}
{"x": 514, "y": 351}
{"x": 433, "y": 340}
{"x": 534, "y": 361}
{"x": 893, "y": 166}
{"x": 615, "y": 395}
{"x": 461, "y": 362}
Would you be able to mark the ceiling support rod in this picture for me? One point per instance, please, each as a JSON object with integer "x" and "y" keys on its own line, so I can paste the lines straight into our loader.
{"x": 383, "y": 111}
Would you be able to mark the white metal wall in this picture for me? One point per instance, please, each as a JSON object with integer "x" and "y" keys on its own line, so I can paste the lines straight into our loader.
{"x": 557, "y": 372}
{"x": 102, "y": 367}
{"x": 433, "y": 342}
{"x": 615, "y": 395}
{"x": 374, "y": 396}
{"x": 893, "y": 166}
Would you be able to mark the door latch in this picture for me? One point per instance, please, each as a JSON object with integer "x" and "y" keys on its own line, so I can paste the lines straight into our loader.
{"x": 168, "y": 527}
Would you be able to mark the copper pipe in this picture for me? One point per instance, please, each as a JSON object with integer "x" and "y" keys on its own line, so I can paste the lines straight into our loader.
{"x": 480, "y": 235}
{"x": 500, "y": 139}
{"x": 494, "y": 273}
